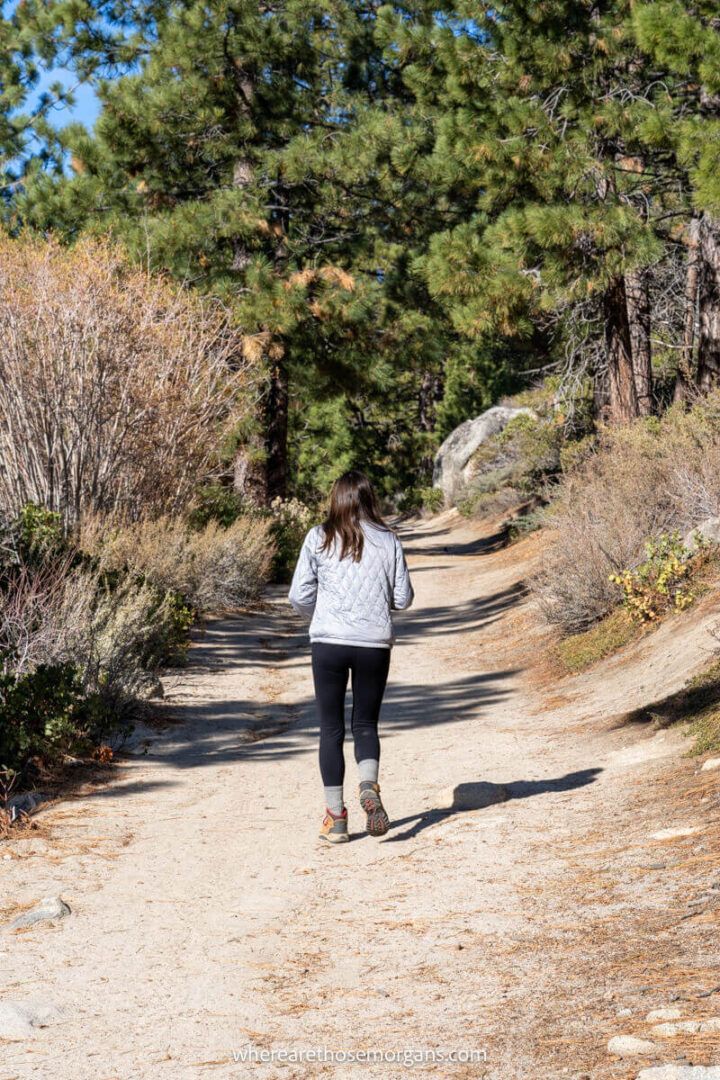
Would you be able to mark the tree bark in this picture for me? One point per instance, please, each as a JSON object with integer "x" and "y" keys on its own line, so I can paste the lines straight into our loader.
{"x": 639, "y": 318}
{"x": 618, "y": 344}
{"x": 274, "y": 410}
{"x": 428, "y": 397}
{"x": 249, "y": 474}
{"x": 708, "y": 371}
{"x": 684, "y": 377}
{"x": 278, "y": 396}
{"x": 276, "y": 430}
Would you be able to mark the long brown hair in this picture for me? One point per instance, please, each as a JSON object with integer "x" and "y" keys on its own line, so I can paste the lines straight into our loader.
{"x": 352, "y": 500}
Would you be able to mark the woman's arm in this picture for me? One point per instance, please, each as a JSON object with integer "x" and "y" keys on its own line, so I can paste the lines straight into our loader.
{"x": 303, "y": 589}
{"x": 403, "y": 594}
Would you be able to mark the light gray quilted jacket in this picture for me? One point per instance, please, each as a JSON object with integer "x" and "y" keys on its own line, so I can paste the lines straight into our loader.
{"x": 348, "y": 602}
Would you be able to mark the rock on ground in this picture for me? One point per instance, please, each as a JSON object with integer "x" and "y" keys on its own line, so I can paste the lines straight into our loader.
{"x": 663, "y": 1014}
{"x": 25, "y": 804}
{"x": 453, "y": 456}
{"x": 711, "y": 763}
{"x": 678, "y": 831}
{"x": 709, "y": 530}
{"x": 51, "y": 907}
{"x": 629, "y": 1045}
{"x": 690, "y": 1027}
{"x": 20, "y": 1021}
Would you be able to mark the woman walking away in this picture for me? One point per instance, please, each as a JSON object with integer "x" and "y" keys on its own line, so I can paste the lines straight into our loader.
{"x": 350, "y": 575}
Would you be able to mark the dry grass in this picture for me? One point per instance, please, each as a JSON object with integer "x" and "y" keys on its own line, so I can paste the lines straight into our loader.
{"x": 580, "y": 651}
{"x": 650, "y": 478}
{"x": 214, "y": 569}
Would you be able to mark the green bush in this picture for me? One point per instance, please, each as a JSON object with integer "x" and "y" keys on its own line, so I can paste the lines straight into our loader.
{"x": 432, "y": 499}
{"x": 174, "y": 621}
{"x": 416, "y": 499}
{"x": 574, "y": 453}
{"x": 526, "y": 523}
{"x": 40, "y": 531}
{"x": 41, "y": 716}
{"x": 87, "y": 622}
{"x": 290, "y": 521}
{"x": 663, "y": 580}
{"x": 410, "y": 501}
{"x": 216, "y": 502}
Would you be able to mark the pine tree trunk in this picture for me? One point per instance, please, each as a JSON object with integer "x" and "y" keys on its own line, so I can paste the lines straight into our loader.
{"x": 684, "y": 376}
{"x": 276, "y": 430}
{"x": 618, "y": 344}
{"x": 431, "y": 390}
{"x": 708, "y": 373}
{"x": 277, "y": 400}
{"x": 249, "y": 474}
{"x": 428, "y": 397}
{"x": 639, "y": 318}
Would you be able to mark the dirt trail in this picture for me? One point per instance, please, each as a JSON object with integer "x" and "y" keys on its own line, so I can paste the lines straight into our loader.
{"x": 519, "y": 906}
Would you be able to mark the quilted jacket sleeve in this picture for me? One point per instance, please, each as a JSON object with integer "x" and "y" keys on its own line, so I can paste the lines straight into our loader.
{"x": 303, "y": 589}
{"x": 403, "y": 594}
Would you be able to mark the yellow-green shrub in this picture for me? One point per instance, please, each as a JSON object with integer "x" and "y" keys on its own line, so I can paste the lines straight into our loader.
{"x": 663, "y": 581}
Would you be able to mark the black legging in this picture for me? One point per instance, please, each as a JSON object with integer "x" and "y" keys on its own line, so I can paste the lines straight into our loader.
{"x": 331, "y": 665}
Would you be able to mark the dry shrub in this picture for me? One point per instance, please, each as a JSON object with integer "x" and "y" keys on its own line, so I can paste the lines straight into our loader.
{"x": 214, "y": 568}
{"x": 115, "y": 386}
{"x": 650, "y": 478}
{"x": 114, "y": 638}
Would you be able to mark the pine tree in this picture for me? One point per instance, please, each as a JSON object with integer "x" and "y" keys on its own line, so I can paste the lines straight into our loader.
{"x": 24, "y": 109}
{"x": 541, "y": 105}
{"x": 264, "y": 155}
{"x": 685, "y": 44}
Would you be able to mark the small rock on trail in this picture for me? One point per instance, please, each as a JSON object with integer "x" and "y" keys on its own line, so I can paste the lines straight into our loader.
{"x": 676, "y": 832}
{"x": 21, "y": 1020}
{"x": 690, "y": 1027}
{"x": 630, "y": 1046}
{"x": 663, "y": 1014}
{"x": 50, "y": 908}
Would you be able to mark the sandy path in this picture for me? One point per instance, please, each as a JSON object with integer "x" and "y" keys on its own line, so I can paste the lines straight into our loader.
{"x": 207, "y": 917}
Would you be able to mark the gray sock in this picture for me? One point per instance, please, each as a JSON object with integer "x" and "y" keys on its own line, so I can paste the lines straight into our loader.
{"x": 368, "y": 770}
{"x": 334, "y": 799}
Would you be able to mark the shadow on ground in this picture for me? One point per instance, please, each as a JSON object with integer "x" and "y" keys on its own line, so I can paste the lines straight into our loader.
{"x": 270, "y": 636}
{"x": 226, "y": 731}
{"x": 478, "y": 795}
{"x": 482, "y": 545}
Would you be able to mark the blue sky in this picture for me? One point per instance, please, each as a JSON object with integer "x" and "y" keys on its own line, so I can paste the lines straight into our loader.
{"x": 86, "y": 107}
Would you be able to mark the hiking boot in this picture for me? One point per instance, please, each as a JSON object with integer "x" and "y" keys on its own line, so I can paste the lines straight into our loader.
{"x": 334, "y": 827}
{"x": 378, "y": 822}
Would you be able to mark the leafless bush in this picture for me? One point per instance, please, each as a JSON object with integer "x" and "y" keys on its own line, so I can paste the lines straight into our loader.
{"x": 644, "y": 480}
{"x": 215, "y": 568}
{"x": 233, "y": 563}
{"x": 58, "y": 614}
{"x": 114, "y": 386}
{"x": 30, "y": 602}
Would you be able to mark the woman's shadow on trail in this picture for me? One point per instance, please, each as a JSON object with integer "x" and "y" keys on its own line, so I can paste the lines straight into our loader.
{"x": 480, "y": 794}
